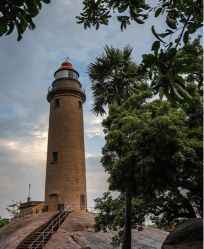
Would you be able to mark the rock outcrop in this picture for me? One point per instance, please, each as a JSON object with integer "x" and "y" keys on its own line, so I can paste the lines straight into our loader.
{"x": 12, "y": 234}
{"x": 77, "y": 232}
{"x": 188, "y": 235}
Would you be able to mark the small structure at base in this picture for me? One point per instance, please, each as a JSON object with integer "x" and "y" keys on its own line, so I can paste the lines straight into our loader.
{"x": 31, "y": 207}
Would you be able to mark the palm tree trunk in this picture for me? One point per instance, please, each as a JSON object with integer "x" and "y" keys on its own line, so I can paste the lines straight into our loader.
{"x": 126, "y": 243}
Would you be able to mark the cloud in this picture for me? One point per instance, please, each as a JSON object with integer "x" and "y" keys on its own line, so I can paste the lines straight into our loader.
{"x": 30, "y": 155}
{"x": 90, "y": 155}
{"x": 93, "y": 127}
{"x": 21, "y": 164}
{"x": 6, "y": 184}
{"x": 94, "y": 131}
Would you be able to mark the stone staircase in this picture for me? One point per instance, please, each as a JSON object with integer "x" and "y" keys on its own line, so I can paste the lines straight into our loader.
{"x": 39, "y": 238}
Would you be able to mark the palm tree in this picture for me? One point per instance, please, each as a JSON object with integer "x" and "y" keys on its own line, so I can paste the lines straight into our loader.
{"x": 113, "y": 79}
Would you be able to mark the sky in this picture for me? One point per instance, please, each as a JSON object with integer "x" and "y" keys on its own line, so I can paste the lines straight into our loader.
{"x": 26, "y": 72}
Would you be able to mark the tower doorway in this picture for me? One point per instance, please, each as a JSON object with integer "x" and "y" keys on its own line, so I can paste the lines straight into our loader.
{"x": 53, "y": 202}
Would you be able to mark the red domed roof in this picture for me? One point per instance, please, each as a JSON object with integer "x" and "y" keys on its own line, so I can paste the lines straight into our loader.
{"x": 66, "y": 65}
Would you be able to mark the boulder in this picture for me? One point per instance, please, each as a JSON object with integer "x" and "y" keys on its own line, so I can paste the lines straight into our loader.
{"x": 188, "y": 235}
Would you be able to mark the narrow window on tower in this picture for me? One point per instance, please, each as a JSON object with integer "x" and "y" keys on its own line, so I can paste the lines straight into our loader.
{"x": 55, "y": 157}
{"x": 70, "y": 73}
{"x": 57, "y": 102}
{"x": 80, "y": 105}
{"x": 82, "y": 200}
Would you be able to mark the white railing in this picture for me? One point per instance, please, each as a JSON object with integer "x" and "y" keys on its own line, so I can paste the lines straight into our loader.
{"x": 40, "y": 240}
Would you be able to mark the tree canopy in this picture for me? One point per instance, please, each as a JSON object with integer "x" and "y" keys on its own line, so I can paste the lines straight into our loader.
{"x": 114, "y": 76}
{"x": 185, "y": 12}
{"x": 154, "y": 148}
{"x": 182, "y": 20}
{"x": 151, "y": 156}
{"x": 3, "y": 221}
{"x": 152, "y": 143}
{"x": 18, "y": 14}
{"x": 13, "y": 209}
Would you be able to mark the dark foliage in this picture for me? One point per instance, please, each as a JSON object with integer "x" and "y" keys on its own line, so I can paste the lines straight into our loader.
{"x": 18, "y": 14}
{"x": 182, "y": 18}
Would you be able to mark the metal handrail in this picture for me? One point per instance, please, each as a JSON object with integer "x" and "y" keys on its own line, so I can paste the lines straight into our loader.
{"x": 51, "y": 88}
{"x": 49, "y": 229}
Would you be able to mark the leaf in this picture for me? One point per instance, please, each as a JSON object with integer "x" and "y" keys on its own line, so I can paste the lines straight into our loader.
{"x": 185, "y": 37}
{"x": 177, "y": 93}
{"x": 85, "y": 25}
{"x": 79, "y": 22}
{"x": 10, "y": 28}
{"x": 158, "y": 11}
{"x": 171, "y": 23}
{"x": 171, "y": 53}
{"x": 183, "y": 91}
{"x": 178, "y": 79}
{"x": 156, "y": 45}
{"x": 169, "y": 31}
{"x": 164, "y": 34}
{"x": 156, "y": 35}
{"x": 192, "y": 28}
{"x": 19, "y": 37}
{"x": 148, "y": 59}
{"x": 122, "y": 8}
{"x": 161, "y": 92}
{"x": 138, "y": 20}
{"x": 154, "y": 85}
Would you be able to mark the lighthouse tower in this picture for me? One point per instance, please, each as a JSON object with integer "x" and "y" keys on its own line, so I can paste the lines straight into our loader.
{"x": 65, "y": 172}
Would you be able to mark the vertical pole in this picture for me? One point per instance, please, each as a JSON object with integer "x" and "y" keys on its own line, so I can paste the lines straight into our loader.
{"x": 126, "y": 243}
{"x": 29, "y": 190}
{"x": 29, "y": 199}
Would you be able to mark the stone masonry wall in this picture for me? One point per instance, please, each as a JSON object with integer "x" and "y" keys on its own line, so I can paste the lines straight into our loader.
{"x": 66, "y": 177}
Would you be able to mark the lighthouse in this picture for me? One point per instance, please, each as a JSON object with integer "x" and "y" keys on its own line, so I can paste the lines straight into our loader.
{"x": 65, "y": 183}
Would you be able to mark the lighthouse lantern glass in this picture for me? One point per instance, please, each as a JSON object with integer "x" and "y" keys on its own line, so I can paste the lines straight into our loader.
{"x": 66, "y": 74}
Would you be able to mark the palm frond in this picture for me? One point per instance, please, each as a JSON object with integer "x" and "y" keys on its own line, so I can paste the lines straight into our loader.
{"x": 113, "y": 77}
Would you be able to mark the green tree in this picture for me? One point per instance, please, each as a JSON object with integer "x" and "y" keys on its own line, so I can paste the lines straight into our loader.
{"x": 182, "y": 18}
{"x": 114, "y": 78}
{"x": 3, "y": 221}
{"x": 13, "y": 209}
{"x": 18, "y": 14}
{"x": 112, "y": 215}
{"x": 156, "y": 149}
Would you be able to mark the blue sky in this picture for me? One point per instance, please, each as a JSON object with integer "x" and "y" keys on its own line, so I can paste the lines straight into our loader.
{"x": 26, "y": 70}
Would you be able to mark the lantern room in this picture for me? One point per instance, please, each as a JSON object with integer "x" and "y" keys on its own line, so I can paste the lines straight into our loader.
{"x": 66, "y": 71}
